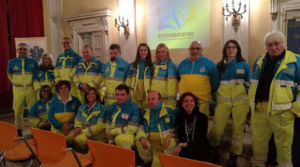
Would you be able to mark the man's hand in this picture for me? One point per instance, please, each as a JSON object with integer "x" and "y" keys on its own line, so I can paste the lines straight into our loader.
{"x": 167, "y": 141}
{"x": 108, "y": 135}
{"x": 47, "y": 125}
{"x": 78, "y": 131}
{"x": 84, "y": 87}
{"x": 67, "y": 128}
{"x": 144, "y": 143}
{"x": 177, "y": 150}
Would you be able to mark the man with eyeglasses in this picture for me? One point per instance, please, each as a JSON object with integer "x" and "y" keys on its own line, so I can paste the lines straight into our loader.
{"x": 198, "y": 75}
{"x": 23, "y": 74}
{"x": 65, "y": 65}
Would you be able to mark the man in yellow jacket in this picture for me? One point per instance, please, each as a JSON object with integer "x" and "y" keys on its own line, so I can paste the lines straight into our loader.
{"x": 23, "y": 74}
{"x": 89, "y": 73}
{"x": 274, "y": 96}
{"x": 116, "y": 71}
{"x": 65, "y": 65}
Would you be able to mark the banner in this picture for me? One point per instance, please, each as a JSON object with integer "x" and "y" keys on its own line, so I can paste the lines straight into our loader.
{"x": 177, "y": 23}
{"x": 36, "y": 45}
{"x": 293, "y": 35}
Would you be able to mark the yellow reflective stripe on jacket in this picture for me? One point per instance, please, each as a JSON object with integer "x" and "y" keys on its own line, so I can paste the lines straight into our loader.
{"x": 113, "y": 66}
{"x": 115, "y": 117}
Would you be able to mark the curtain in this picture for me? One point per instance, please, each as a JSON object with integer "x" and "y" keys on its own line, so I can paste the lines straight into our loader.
{"x": 5, "y": 92}
{"x": 26, "y": 19}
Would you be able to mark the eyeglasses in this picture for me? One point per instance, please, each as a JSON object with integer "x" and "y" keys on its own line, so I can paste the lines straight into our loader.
{"x": 23, "y": 49}
{"x": 64, "y": 43}
{"x": 46, "y": 90}
{"x": 229, "y": 47}
{"x": 197, "y": 48}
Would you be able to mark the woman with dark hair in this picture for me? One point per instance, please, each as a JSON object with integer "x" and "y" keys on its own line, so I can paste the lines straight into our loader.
{"x": 90, "y": 119}
{"x": 38, "y": 112}
{"x": 191, "y": 126}
{"x": 140, "y": 72}
{"x": 164, "y": 78}
{"x": 232, "y": 98}
{"x": 46, "y": 71}
{"x": 62, "y": 111}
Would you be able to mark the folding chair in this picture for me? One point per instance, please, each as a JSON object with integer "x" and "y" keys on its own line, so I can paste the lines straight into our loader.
{"x": 105, "y": 155}
{"x": 11, "y": 150}
{"x": 175, "y": 161}
{"x": 51, "y": 150}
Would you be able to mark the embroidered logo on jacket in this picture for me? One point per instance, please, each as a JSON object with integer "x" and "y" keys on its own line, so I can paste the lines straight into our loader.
{"x": 202, "y": 69}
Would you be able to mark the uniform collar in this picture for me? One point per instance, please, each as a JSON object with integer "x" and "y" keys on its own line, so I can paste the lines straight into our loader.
{"x": 118, "y": 59}
{"x": 124, "y": 104}
{"x": 70, "y": 51}
{"x": 19, "y": 57}
{"x": 199, "y": 59}
{"x": 69, "y": 99}
{"x": 233, "y": 61}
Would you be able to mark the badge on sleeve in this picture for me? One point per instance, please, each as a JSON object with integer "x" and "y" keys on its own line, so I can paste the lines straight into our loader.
{"x": 16, "y": 68}
{"x": 167, "y": 120}
{"x": 124, "y": 116}
{"x": 40, "y": 107}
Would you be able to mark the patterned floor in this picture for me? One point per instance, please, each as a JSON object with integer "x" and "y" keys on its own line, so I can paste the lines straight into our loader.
{"x": 243, "y": 160}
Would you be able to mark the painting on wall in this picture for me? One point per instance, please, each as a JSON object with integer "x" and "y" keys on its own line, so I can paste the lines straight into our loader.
{"x": 36, "y": 45}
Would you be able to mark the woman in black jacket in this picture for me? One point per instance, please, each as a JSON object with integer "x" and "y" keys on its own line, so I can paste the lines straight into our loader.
{"x": 191, "y": 127}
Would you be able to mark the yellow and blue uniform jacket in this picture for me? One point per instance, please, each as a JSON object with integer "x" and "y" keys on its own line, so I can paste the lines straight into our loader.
{"x": 284, "y": 90}
{"x": 115, "y": 74}
{"x": 157, "y": 123}
{"x": 165, "y": 81}
{"x": 123, "y": 119}
{"x": 60, "y": 113}
{"x": 136, "y": 75}
{"x": 38, "y": 113}
{"x": 64, "y": 68}
{"x": 91, "y": 123}
{"x": 234, "y": 83}
{"x": 23, "y": 72}
{"x": 47, "y": 78}
{"x": 200, "y": 78}
{"x": 91, "y": 74}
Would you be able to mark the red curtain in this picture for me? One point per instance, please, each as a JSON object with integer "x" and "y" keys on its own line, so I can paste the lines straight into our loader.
{"x": 26, "y": 19}
{"x": 5, "y": 92}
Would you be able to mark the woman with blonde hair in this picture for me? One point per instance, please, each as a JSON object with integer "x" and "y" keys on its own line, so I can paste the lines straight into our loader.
{"x": 46, "y": 72}
{"x": 165, "y": 76}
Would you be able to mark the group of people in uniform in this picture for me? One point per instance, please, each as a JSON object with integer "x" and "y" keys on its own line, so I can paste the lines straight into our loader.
{"x": 134, "y": 105}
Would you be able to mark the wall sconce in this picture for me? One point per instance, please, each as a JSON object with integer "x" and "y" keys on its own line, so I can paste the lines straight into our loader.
{"x": 120, "y": 23}
{"x": 237, "y": 14}
{"x": 273, "y": 9}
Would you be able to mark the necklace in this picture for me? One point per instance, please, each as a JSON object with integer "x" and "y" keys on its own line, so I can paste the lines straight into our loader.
{"x": 190, "y": 129}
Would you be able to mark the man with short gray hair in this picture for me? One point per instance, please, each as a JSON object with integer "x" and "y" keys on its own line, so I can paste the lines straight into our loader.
{"x": 23, "y": 74}
{"x": 275, "y": 100}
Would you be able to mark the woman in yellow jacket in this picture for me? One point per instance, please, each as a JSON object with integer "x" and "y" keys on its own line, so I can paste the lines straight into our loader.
{"x": 232, "y": 99}
{"x": 46, "y": 72}
{"x": 141, "y": 71}
{"x": 165, "y": 76}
